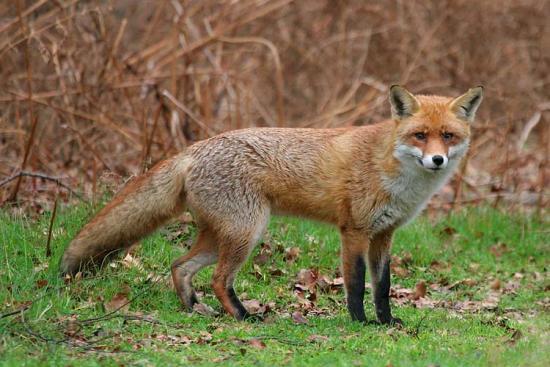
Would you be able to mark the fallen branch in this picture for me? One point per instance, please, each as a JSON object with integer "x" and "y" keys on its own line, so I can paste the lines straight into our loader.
{"x": 42, "y": 176}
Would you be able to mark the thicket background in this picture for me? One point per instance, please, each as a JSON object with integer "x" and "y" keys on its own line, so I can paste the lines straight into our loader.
{"x": 95, "y": 87}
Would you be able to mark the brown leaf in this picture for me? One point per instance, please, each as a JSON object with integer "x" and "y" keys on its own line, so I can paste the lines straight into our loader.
{"x": 307, "y": 278}
{"x": 511, "y": 286}
{"x": 41, "y": 283}
{"x": 420, "y": 290}
{"x": 298, "y": 318}
{"x": 426, "y": 303}
{"x": 291, "y": 254}
{"x": 276, "y": 272}
{"x": 439, "y": 266}
{"x": 264, "y": 255}
{"x": 131, "y": 262}
{"x": 317, "y": 338}
{"x": 256, "y": 343}
{"x": 495, "y": 285}
{"x": 469, "y": 282}
{"x": 399, "y": 292}
{"x": 449, "y": 231}
{"x": 204, "y": 309}
{"x": 205, "y": 338}
{"x": 255, "y": 307}
{"x": 72, "y": 328}
{"x": 172, "y": 339}
{"x": 118, "y": 302}
{"x": 499, "y": 249}
{"x": 262, "y": 258}
{"x": 399, "y": 271}
{"x": 324, "y": 283}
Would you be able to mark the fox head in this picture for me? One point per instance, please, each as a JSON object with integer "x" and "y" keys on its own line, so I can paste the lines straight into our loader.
{"x": 432, "y": 132}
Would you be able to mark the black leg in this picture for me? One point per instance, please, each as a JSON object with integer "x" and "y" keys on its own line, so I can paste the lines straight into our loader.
{"x": 354, "y": 249}
{"x": 382, "y": 292}
{"x": 242, "y": 313}
{"x": 379, "y": 263}
{"x": 355, "y": 288}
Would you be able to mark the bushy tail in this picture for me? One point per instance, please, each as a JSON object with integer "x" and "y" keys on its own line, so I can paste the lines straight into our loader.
{"x": 143, "y": 205}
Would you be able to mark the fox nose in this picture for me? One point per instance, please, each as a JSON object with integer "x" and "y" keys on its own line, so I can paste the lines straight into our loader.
{"x": 438, "y": 160}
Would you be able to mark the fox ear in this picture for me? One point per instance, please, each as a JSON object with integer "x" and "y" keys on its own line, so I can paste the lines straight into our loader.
{"x": 403, "y": 103}
{"x": 466, "y": 105}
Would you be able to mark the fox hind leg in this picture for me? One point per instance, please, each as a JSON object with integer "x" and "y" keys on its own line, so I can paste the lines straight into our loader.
{"x": 233, "y": 253}
{"x": 203, "y": 253}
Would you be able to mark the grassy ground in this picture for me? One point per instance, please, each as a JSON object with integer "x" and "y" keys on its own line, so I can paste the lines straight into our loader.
{"x": 485, "y": 271}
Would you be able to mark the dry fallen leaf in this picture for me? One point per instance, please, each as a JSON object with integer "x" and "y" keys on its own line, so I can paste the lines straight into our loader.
{"x": 324, "y": 283}
{"x": 261, "y": 258}
{"x": 449, "y": 231}
{"x": 495, "y": 285}
{"x": 118, "y": 302}
{"x": 130, "y": 261}
{"x": 399, "y": 271}
{"x": 256, "y": 343}
{"x": 298, "y": 318}
{"x": 420, "y": 290}
{"x": 205, "y": 338}
{"x": 264, "y": 255}
{"x": 317, "y": 338}
{"x": 439, "y": 266}
{"x": 72, "y": 328}
{"x": 499, "y": 249}
{"x": 204, "y": 309}
{"x": 255, "y": 307}
{"x": 276, "y": 272}
{"x": 257, "y": 271}
{"x": 307, "y": 278}
{"x": 291, "y": 254}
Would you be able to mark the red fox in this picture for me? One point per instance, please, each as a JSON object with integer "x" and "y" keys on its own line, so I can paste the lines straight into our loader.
{"x": 366, "y": 180}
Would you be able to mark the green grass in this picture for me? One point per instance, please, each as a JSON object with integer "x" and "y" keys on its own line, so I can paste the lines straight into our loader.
{"x": 51, "y": 330}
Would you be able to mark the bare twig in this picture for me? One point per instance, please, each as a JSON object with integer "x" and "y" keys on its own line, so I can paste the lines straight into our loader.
{"x": 190, "y": 113}
{"x": 57, "y": 180}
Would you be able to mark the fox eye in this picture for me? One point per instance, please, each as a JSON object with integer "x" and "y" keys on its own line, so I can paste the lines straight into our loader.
{"x": 420, "y": 136}
{"x": 447, "y": 136}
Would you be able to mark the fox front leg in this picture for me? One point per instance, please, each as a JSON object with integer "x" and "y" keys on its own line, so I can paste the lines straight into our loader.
{"x": 354, "y": 248}
{"x": 379, "y": 265}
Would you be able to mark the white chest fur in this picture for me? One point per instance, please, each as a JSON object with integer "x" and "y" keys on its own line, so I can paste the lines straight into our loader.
{"x": 409, "y": 194}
